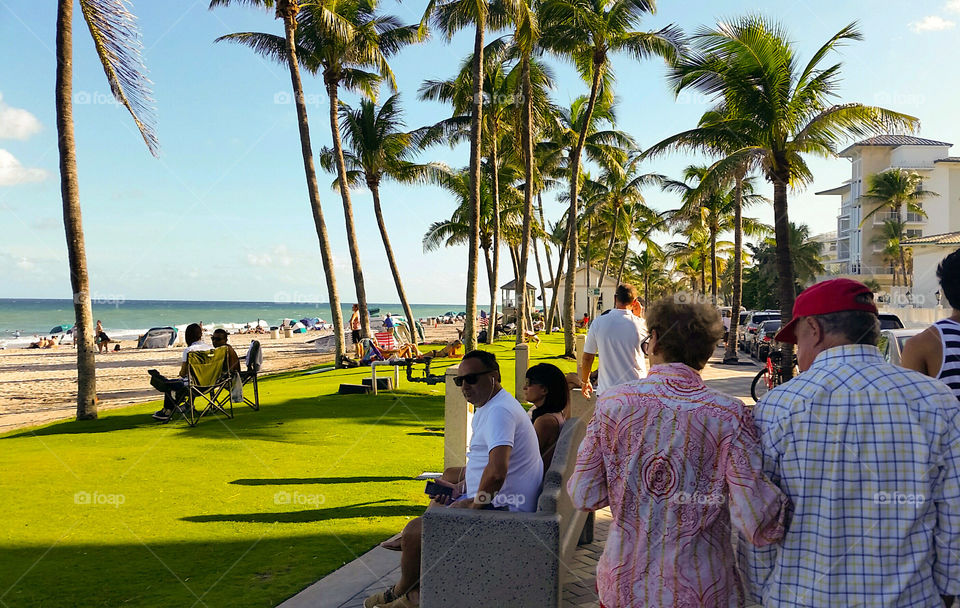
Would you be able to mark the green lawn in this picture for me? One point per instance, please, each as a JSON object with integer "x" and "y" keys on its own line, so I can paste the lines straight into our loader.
{"x": 243, "y": 512}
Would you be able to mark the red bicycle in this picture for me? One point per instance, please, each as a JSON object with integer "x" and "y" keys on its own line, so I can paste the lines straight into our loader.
{"x": 770, "y": 376}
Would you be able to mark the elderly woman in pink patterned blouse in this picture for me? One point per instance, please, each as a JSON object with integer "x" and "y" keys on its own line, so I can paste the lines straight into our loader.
{"x": 679, "y": 465}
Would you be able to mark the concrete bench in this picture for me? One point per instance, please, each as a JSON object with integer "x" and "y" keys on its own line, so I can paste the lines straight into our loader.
{"x": 496, "y": 558}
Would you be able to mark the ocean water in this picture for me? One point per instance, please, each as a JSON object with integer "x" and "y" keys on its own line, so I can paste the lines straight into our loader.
{"x": 124, "y": 319}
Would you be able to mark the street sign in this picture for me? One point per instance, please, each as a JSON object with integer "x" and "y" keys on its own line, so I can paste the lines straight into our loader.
{"x": 594, "y": 291}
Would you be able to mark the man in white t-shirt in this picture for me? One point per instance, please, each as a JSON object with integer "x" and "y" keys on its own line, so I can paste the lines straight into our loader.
{"x": 615, "y": 336}
{"x": 175, "y": 389}
{"x": 504, "y": 469}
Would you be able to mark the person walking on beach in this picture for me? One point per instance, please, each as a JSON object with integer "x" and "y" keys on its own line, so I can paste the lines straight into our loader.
{"x": 355, "y": 331}
{"x": 103, "y": 341}
{"x": 615, "y": 336}
{"x": 935, "y": 351}
{"x": 869, "y": 454}
{"x": 679, "y": 464}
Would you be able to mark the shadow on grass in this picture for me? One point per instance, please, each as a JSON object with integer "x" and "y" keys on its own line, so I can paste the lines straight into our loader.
{"x": 364, "y": 509}
{"x": 397, "y": 408}
{"x": 282, "y": 481}
{"x": 428, "y": 434}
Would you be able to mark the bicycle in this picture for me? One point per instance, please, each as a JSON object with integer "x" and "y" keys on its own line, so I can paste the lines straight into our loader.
{"x": 770, "y": 376}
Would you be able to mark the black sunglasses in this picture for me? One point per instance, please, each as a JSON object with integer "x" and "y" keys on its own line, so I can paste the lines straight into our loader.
{"x": 469, "y": 378}
{"x": 645, "y": 346}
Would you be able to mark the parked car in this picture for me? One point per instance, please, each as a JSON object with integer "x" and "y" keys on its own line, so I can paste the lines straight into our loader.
{"x": 753, "y": 326}
{"x": 764, "y": 340}
{"x": 890, "y": 321}
{"x": 892, "y": 341}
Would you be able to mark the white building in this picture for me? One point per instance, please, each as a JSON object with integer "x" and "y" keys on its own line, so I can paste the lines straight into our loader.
{"x": 601, "y": 299}
{"x": 927, "y": 253}
{"x": 857, "y": 256}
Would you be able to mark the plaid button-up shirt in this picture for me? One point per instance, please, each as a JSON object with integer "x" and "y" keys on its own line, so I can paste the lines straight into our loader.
{"x": 869, "y": 454}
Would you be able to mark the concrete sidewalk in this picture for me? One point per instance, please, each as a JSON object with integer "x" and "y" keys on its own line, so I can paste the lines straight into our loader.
{"x": 379, "y": 568}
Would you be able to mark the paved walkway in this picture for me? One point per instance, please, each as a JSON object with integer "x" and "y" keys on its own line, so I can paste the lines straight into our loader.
{"x": 378, "y": 568}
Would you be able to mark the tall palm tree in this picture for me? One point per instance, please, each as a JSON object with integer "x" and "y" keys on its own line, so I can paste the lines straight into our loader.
{"x": 587, "y": 32}
{"x": 643, "y": 223}
{"x": 780, "y": 108}
{"x": 450, "y": 16}
{"x": 897, "y": 191}
{"x": 348, "y": 42}
{"x": 892, "y": 232}
{"x": 378, "y": 148}
{"x": 287, "y": 52}
{"x": 116, "y": 39}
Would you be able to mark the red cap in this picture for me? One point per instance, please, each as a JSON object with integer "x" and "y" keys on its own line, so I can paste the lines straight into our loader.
{"x": 835, "y": 295}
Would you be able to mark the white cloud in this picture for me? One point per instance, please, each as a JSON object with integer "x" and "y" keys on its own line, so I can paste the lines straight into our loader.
{"x": 932, "y": 23}
{"x": 13, "y": 173}
{"x": 24, "y": 264}
{"x": 259, "y": 260}
{"x": 280, "y": 256}
{"x": 16, "y": 123}
{"x": 952, "y": 6}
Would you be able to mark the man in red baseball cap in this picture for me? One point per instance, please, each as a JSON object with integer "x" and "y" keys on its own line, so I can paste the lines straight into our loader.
{"x": 869, "y": 455}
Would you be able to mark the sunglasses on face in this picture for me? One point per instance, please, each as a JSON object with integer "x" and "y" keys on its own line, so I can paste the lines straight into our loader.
{"x": 470, "y": 379}
{"x": 645, "y": 346}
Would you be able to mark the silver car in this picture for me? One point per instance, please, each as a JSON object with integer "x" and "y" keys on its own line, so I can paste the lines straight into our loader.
{"x": 892, "y": 341}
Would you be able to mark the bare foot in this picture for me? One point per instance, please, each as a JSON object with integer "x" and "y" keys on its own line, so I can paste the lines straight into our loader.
{"x": 393, "y": 544}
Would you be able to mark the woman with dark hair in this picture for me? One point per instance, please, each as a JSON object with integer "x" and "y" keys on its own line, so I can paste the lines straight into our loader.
{"x": 546, "y": 388}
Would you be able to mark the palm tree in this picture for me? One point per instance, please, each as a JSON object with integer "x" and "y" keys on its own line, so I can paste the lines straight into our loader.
{"x": 116, "y": 39}
{"x": 377, "y": 148}
{"x": 341, "y": 41}
{"x": 450, "y": 16}
{"x": 642, "y": 224}
{"x": 780, "y": 110}
{"x": 586, "y": 32}
{"x": 646, "y": 265}
{"x": 892, "y": 232}
{"x": 897, "y": 191}
{"x": 287, "y": 11}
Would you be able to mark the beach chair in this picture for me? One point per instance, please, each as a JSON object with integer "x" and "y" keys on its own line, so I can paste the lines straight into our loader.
{"x": 208, "y": 385}
{"x": 370, "y": 352}
{"x": 386, "y": 342}
{"x": 249, "y": 375}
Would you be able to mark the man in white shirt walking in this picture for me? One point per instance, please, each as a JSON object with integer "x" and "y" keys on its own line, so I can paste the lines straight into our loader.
{"x": 615, "y": 336}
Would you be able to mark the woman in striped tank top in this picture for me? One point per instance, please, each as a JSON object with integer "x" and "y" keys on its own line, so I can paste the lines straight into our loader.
{"x": 935, "y": 351}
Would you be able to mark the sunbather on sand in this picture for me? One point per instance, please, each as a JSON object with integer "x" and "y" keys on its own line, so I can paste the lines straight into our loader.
{"x": 450, "y": 350}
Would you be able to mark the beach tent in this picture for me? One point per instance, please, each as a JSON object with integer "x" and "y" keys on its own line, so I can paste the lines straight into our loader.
{"x": 61, "y": 329}
{"x": 158, "y": 337}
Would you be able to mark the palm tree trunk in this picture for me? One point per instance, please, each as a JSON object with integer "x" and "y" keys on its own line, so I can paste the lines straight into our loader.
{"x": 313, "y": 191}
{"x": 786, "y": 287}
{"x": 646, "y": 289}
{"x": 72, "y": 220}
{"x": 626, "y": 252}
{"x": 556, "y": 291}
{"x": 730, "y": 356}
{"x": 568, "y": 288}
{"x": 703, "y": 274}
{"x": 391, "y": 260}
{"x": 548, "y": 325}
{"x": 526, "y": 141}
{"x": 713, "y": 265}
{"x": 495, "y": 167}
{"x": 492, "y": 286}
{"x": 469, "y": 325}
{"x": 543, "y": 290}
{"x": 606, "y": 260}
{"x": 352, "y": 244}
{"x": 903, "y": 265}
{"x": 589, "y": 260}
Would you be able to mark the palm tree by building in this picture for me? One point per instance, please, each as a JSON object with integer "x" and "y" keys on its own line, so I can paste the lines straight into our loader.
{"x": 889, "y": 237}
{"x": 587, "y": 32}
{"x": 782, "y": 111}
{"x": 897, "y": 191}
{"x": 116, "y": 39}
{"x": 378, "y": 148}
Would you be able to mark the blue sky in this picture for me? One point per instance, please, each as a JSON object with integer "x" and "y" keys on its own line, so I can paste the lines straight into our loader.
{"x": 223, "y": 213}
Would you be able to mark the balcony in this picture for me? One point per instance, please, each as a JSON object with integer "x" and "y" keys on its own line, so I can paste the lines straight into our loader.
{"x": 880, "y": 218}
{"x": 916, "y": 218}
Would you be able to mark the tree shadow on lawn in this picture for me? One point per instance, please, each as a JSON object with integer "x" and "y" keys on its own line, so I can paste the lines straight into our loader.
{"x": 363, "y": 509}
{"x": 397, "y": 408}
{"x": 282, "y": 481}
{"x": 123, "y": 571}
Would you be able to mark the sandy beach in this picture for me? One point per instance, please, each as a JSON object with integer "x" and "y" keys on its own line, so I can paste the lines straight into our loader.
{"x": 39, "y": 386}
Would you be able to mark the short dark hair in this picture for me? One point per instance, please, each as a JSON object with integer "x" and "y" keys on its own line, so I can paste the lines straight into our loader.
{"x": 687, "y": 331}
{"x": 220, "y": 333}
{"x": 489, "y": 360}
{"x": 948, "y": 273}
{"x": 558, "y": 391}
{"x": 625, "y": 293}
{"x": 193, "y": 334}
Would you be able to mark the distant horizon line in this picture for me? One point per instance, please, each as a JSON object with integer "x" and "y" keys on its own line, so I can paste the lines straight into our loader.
{"x": 113, "y": 301}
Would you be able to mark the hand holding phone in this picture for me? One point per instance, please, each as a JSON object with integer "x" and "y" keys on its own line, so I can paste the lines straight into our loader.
{"x": 439, "y": 492}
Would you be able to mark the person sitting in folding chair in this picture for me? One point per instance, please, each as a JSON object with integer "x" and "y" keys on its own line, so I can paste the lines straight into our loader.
{"x": 175, "y": 390}
{"x": 219, "y": 338}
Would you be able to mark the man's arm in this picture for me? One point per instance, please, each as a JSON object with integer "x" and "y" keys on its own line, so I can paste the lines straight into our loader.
{"x": 493, "y": 476}
{"x": 183, "y": 369}
{"x": 923, "y": 353}
{"x": 586, "y": 365}
{"x": 232, "y": 359}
